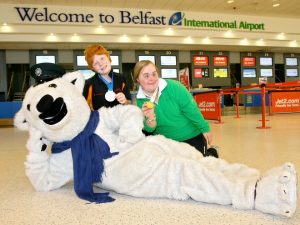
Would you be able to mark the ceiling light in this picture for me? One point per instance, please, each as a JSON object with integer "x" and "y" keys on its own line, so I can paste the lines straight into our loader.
{"x": 260, "y": 42}
{"x": 228, "y": 34}
{"x": 124, "y": 38}
{"x": 52, "y": 37}
{"x": 230, "y": 1}
{"x": 100, "y": 29}
{"x": 244, "y": 41}
{"x": 6, "y": 28}
{"x": 293, "y": 44}
{"x": 75, "y": 37}
{"x": 206, "y": 40}
{"x": 188, "y": 40}
{"x": 169, "y": 31}
{"x": 276, "y": 5}
{"x": 145, "y": 38}
{"x": 281, "y": 36}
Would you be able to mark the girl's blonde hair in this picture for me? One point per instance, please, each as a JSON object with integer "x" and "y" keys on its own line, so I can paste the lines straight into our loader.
{"x": 92, "y": 50}
{"x": 141, "y": 65}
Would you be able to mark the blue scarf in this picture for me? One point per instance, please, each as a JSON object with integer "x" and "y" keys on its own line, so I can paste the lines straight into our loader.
{"x": 88, "y": 152}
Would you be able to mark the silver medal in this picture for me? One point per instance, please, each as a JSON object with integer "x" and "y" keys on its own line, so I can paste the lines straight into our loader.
{"x": 110, "y": 96}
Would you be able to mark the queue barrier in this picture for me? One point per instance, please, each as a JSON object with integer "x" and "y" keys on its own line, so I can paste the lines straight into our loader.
{"x": 281, "y": 97}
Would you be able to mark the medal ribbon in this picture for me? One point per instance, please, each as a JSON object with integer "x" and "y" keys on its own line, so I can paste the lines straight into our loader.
{"x": 109, "y": 85}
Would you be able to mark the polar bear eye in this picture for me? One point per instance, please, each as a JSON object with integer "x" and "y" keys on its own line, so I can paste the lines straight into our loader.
{"x": 28, "y": 107}
{"x": 52, "y": 85}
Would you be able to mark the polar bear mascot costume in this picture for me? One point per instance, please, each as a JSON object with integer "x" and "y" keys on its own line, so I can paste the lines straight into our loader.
{"x": 107, "y": 149}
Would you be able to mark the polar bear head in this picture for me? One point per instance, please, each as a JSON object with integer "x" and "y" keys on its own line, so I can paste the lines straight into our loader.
{"x": 48, "y": 107}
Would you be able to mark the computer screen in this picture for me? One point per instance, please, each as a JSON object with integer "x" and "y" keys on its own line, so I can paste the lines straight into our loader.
{"x": 169, "y": 73}
{"x": 200, "y": 60}
{"x": 265, "y": 61}
{"x": 266, "y": 72}
{"x": 291, "y": 61}
{"x": 87, "y": 73}
{"x": 220, "y": 72}
{"x": 292, "y": 72}
{"x": 116, "y": 70}
{"x": 248, "y": 61}
{"x": 168, "y": 60}
{"x": 44, "y": 59}
{"x": 249, "y": 72}
{"x": 201, "y": 73}
{"x": 147, "y": 57}
{"x": 114, "y": 60}
{"x": 220, "y": 60}
{"x": 80, "y": 61}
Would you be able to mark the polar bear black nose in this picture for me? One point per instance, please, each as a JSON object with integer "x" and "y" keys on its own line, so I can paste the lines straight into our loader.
{"x": 45, "y": 103}
{"x": 52, "y": 111}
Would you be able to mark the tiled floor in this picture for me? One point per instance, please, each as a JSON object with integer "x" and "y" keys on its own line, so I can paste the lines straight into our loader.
{"x": 239, "y": 141}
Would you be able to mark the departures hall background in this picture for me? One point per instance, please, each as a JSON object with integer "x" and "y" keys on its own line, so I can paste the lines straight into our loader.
{"x": 220, "y": 45}
{"x": 62, "y": 29}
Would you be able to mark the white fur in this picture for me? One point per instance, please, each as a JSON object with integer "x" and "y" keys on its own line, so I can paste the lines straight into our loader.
{"x": 145, "y": 166}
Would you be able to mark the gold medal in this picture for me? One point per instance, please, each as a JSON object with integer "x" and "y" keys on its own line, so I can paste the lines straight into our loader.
{"x": 150, "y": 105}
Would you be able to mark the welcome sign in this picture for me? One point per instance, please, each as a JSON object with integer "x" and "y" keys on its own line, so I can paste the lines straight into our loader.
{"x": 93, "y": 16}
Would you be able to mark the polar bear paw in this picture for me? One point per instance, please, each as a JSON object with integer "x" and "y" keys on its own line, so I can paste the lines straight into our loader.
{"x": 276, "y": 191}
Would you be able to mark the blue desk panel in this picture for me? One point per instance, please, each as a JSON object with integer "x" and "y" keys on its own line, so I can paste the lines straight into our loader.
{"x": 9, "y": 109}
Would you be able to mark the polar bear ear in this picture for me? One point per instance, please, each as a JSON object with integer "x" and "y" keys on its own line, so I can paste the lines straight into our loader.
{"x": 20, "y": 121}
{"x": 75, "y": 78}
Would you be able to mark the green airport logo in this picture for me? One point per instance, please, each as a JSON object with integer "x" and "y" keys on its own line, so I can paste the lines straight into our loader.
{"x": 179, "y": 19}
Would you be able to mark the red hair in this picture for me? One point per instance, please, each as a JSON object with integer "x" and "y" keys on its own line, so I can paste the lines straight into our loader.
{"x": 92, "y": 50}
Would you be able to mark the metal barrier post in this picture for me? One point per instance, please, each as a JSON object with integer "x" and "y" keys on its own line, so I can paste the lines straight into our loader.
{"x": 219, "y": 94}
{"x": 263, "y": 107}
{"x": 237, "y": 104}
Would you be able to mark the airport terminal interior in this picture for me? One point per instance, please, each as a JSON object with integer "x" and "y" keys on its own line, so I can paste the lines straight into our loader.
{"x": 246, "y": 53}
